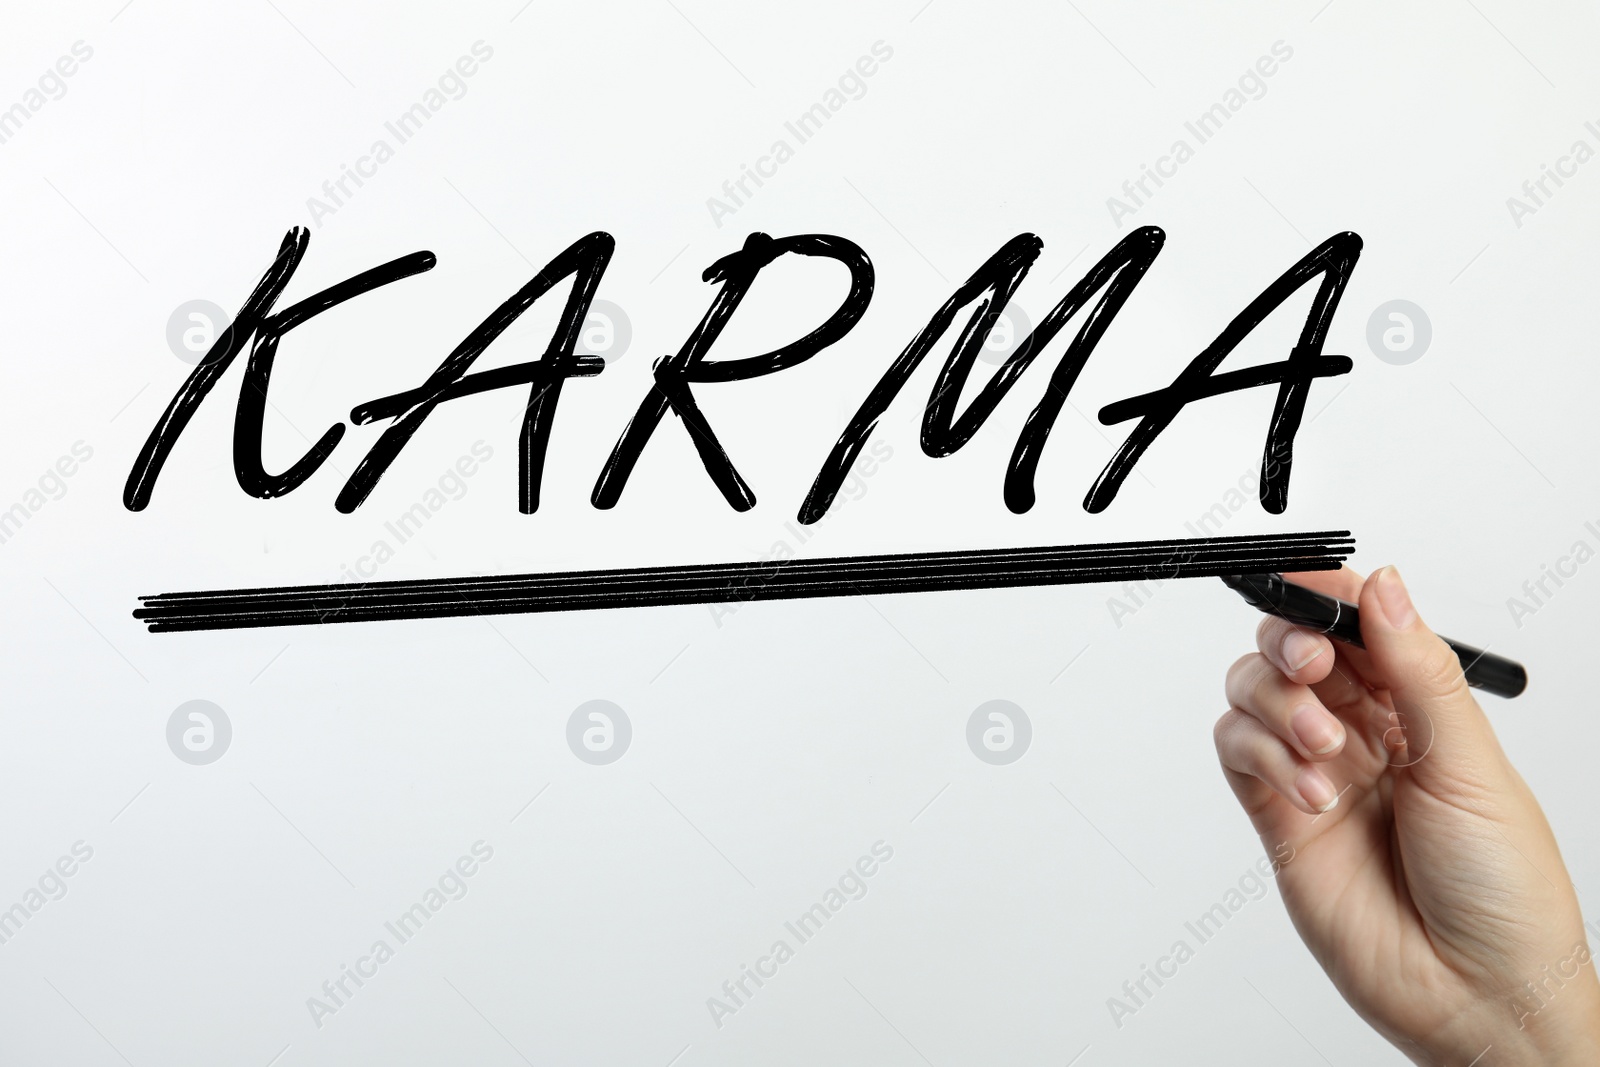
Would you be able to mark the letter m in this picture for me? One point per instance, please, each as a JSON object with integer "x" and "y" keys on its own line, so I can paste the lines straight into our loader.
{"x": 411, "y": 921}
{"x": 11, "y": 921}
{"x": 817, "y": 914}
{"x": 1218, "y": 916}
{"x": 990, "y": 288}
{"x": 409, "y": 123}
{"x": 10, "y": 123}
{"x": 11, "y": 521}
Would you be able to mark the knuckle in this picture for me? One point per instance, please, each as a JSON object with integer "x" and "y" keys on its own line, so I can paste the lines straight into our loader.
{"x": 1341, "y": 694}
{"x": 1242, "y": 675}
{"x": 1246, "y": 746}
{"x": 1253, "y": 681}
{"x": 1224, "y": 728}
{"x": 1270, "y": 633}
{"x": 1435, "y": 669}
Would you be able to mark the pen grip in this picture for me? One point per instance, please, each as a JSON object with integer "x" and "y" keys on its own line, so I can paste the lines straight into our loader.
{"x": 1482, "y": 670}
{"x": 1342, "y": 622}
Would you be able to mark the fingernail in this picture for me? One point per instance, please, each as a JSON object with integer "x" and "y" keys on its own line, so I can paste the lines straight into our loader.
{"x": 1317, "y": 790}
{"x": 1394, "y": 600}
{"x": 1300, "y": 650}
{"x": 1319, "y": 731}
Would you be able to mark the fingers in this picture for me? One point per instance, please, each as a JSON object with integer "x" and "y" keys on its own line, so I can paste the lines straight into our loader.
{"x": 1336, "y": 676}
{"x": 1302, "y": 655}
{"x": 1425, "y": 682}
{"x": 1285, "y": 708}
{"x": 1343, "y": 584}
{"x": 1252, "y": 752}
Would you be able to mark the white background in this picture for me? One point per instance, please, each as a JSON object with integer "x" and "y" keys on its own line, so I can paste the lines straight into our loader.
{"x": 771, "y": 751}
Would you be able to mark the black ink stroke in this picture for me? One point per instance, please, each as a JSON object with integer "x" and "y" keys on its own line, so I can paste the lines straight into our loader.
{"x": 226, "y": 609}
{"x": 1334, "y": 259}
{"x": 585, "y": 259}
{"x": 943, "y": 432}
{"x": 945, "y": 426}
{"x": 675, "y": 374}
{"x": 256, "y": 320}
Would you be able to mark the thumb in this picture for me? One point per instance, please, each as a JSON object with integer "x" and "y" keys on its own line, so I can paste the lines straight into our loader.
{"x": 1438, "y": 728}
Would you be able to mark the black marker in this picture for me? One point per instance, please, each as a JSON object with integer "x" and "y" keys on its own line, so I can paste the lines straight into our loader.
{"x": 1342, "y": 622}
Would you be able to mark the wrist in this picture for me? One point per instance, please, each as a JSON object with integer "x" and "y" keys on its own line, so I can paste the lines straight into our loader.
{"x": 1543, "y": 1025}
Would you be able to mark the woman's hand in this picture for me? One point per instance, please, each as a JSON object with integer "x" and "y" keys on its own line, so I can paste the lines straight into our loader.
{"x": 1414, "y": 861}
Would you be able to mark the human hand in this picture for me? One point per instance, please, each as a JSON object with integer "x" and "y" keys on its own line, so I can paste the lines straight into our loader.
{"x": 1413, "y": 859}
